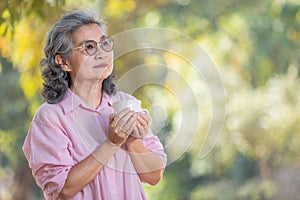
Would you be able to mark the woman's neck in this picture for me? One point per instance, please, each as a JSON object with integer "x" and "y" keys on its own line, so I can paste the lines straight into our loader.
{"x": 91, "y": 94}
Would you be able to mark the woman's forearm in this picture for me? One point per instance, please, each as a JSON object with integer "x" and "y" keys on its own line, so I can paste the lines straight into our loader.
{"x": 84, "y": 172}
{"x": 148, "y": 165}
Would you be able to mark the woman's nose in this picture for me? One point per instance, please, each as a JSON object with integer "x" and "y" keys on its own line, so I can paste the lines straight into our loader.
{"x": 101, "y": 54}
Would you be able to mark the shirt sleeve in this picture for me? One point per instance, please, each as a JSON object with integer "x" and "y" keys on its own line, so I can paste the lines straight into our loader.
{"x": 46, "y": 149}
{"x": 153, "y": 144}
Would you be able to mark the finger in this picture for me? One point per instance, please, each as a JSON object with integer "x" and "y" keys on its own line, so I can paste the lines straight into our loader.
{"x": 112, "y": 122}
{"x": 122, "y": 135}
{"x": 119, "y": 116}
{"x": 135, "y": 132}
{"x": 142, "y": 120}
{"x": 130, "y": 124}
{"x": 119, "y": 134}
{"x": 142, "y": 131}
{"x": 131, "y": 128}
{"x": 145, "y": 116}
{"x": 124, "y": 120}
{"x": 111, "y": 118}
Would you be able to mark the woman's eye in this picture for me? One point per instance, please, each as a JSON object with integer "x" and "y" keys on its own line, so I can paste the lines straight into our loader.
{"x": 105, "y": 43}
{"x": 89, "y": 46}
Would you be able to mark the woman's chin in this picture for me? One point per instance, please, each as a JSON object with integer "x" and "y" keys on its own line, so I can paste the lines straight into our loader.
{"x": 106, "y": 73}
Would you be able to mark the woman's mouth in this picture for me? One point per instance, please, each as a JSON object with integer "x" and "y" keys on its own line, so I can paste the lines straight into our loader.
{"x": 101, "y": 66}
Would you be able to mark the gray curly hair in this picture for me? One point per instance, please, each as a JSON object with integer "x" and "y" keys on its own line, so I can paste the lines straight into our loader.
{"x": 60, "y": 41}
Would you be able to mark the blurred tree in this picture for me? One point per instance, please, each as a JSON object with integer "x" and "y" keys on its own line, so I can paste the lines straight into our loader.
{"x": 260, "y": 38}
{"x": 12, "y": 11}
{"x": 278, "y": 23}
{"x": 22, "y": 28}
{"x": 14, "y": 118}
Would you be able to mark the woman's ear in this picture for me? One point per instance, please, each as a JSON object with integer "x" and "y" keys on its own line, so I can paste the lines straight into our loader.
{"x": 62, "y": 62}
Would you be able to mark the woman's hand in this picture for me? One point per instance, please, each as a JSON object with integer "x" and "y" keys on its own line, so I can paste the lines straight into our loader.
{"x": 121, "y": 126}
{"x": 142, "y": 125}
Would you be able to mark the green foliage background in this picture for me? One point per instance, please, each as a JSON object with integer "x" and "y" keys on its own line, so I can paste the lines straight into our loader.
{"x": 255, "y": 46}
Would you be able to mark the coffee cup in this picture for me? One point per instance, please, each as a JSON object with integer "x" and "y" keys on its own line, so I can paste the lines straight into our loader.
{"x": 132, "y": 104}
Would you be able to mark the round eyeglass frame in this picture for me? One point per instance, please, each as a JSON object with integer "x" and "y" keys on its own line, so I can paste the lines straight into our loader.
{"x": 92, "y": 51}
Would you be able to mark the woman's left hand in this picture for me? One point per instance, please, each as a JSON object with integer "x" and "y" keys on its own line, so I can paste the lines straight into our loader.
{"x": 142, "y": 125}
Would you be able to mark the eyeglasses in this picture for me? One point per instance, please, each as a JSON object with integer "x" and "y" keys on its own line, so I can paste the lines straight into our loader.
{"x": 91, "y": 46}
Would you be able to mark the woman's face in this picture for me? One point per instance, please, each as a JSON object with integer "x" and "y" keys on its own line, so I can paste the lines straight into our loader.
{"x": 83, "y": 67}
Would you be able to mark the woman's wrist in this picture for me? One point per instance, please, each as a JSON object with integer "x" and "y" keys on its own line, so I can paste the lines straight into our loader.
{"x": 105, "y": 151}
{"x": 132, "y": 143}
{"x": 112, "y": 143}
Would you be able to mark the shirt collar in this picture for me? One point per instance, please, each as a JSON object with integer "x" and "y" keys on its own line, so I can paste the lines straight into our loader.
{"x": 106, "y": 101}
{"x": 72, "y": 101}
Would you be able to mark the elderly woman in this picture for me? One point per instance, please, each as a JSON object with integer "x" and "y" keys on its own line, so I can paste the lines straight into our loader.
{"x": 77, "y": 147}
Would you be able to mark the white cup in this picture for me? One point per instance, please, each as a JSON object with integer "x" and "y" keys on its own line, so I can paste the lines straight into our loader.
{"x": 133, "y": 104}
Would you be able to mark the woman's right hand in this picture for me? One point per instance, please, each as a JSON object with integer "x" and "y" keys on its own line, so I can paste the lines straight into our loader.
{"x": 120, "y": 126}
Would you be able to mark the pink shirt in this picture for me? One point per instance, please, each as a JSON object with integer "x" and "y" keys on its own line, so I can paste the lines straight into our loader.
{"x": 63, "y": 134}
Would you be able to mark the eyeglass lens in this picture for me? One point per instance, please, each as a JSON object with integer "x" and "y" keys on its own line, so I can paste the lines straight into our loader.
{"x": 91, "y": 47}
